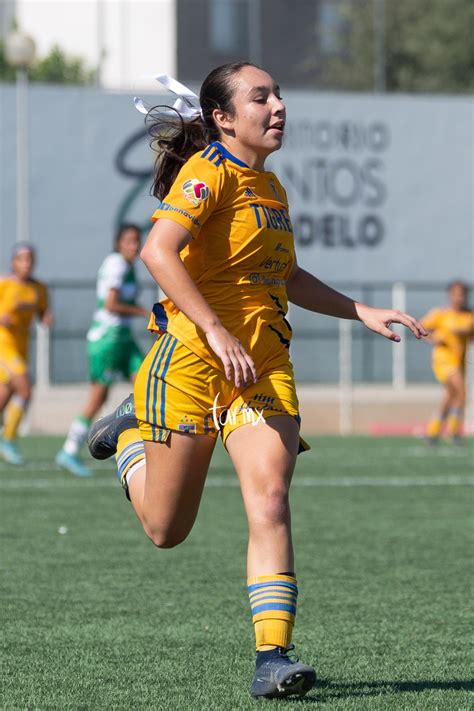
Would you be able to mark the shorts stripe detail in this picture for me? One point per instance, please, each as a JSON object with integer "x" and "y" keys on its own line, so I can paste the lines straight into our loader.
{"x": 163, "y": 386}
{"x": 162, "y": 345}
{"x": 148, "y": 385}
{"x": 155, "y": 374}
{"x": 159, "y": 374}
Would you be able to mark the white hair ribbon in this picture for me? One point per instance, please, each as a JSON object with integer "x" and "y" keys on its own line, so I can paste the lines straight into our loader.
{"x": 187, "y": 103}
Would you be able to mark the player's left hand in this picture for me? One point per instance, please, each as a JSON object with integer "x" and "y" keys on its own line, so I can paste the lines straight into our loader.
{"x": 47, "y": 319}
{"x": 380, "y": 320}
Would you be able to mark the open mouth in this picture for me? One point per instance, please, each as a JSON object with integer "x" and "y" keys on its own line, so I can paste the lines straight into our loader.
{"x": 278, "y": 126}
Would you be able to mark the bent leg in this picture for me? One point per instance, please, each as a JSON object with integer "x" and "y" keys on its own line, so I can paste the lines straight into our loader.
{"x": 166, "y": 490}
{"x": 17, "y": 405}
{"x": 458, "y": 400}
{"x": 438, "y": 419}
{"x": 68, "y": 456}
{"x": 80, "y": 425}
{"x": 6, "y": 392}
{"x": 98, "y": 393}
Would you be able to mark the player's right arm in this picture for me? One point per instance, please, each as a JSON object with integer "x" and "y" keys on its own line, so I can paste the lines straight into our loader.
{"x": 161, "y": 256}
{"x": 431, "y": 323}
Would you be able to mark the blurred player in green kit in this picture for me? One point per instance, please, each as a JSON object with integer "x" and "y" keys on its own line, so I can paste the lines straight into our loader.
{"x": 111, "y": 348}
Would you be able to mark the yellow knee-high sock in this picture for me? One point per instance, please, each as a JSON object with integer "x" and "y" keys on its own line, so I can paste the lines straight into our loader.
{"x": 453, "y": 426}
{"x": 434, "y": 426}
{"x": 130, "y": 455}
{"x": 273, "y": 602}
{"x": 13, "y": 416}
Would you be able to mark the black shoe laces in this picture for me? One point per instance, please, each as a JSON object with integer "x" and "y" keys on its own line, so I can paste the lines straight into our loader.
{"x": 293, "y": 657}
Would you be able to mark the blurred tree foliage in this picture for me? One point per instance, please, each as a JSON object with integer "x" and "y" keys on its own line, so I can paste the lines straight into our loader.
{"x": 55, "y": 68}
{"x": 429, "y": 46}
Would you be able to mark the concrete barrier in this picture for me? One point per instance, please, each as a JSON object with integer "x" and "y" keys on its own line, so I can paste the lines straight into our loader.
{"x": 375, "y": 409}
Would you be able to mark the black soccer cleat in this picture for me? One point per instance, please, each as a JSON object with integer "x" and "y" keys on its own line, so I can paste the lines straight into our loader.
{"x": 278, "y": 676}
{"x": 104, "y": 434}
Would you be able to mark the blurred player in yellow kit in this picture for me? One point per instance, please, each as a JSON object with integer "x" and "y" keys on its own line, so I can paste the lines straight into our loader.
{"x": 450, "y": 330}
{"x": 21, "y": 299}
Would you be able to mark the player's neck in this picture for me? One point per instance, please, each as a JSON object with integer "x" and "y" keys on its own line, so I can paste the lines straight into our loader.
{"x": 20, "y": 279}
{"x": 244, "y": 153}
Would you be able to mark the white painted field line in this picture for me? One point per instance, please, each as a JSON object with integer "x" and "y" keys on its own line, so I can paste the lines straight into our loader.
{"x": 222, "y": 482}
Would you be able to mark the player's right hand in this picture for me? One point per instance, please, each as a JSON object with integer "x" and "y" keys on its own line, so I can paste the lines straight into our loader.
{"x": 238, "y": 365}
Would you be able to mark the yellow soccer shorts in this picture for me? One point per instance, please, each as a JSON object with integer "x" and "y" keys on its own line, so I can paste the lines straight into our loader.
{"x": 12, "y": 363}
{"x": 175, "y": 390}
{"x": 444, "y": 367}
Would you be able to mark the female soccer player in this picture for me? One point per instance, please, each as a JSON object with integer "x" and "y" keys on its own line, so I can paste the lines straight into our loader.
{"x": 450, "y": 329}
{"x": 21, "y": 299}
{"x": 111, "y": 348}
{"x": 222, "y": 250}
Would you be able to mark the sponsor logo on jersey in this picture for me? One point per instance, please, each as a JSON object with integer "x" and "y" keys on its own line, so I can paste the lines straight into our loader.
{"x": 195, "y": 191}
{"x": 249, "y": 193}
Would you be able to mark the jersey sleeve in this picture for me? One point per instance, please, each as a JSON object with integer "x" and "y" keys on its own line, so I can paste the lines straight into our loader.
{"x": 194, "y": 195}
{"x": 112, "y": 273}
{"x": 431, "y": 320}
{"x": 3, "y": 299}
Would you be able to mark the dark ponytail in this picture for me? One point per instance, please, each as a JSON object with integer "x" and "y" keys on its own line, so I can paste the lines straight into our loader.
{"x": 176, "y": 140}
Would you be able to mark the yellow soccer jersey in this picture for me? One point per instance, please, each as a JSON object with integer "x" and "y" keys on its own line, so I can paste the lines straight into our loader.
{"x": 240, "y": 257}
{"x": 452, "y": 329}
{"x": 19, "y": 303}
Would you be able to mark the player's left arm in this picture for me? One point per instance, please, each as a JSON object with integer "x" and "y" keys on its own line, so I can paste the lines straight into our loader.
{"x": 115, "y": 305}
{"x": 308, "y": 292}
{"x": 44, "y": 313}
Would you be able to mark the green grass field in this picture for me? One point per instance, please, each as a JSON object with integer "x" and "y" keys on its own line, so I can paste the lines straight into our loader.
{"x": 97, "y": 618}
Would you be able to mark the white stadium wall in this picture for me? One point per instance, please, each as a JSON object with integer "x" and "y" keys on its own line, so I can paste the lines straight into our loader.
{"x": 380, "y": 188}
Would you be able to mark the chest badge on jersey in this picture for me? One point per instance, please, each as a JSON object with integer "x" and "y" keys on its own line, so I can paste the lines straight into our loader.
{"x": 195, "y": 191}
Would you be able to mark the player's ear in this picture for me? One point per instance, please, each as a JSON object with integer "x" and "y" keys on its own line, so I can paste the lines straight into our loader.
{"x": 222, "y": 120}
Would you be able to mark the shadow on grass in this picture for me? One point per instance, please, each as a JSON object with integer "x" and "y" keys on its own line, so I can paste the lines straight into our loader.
{"x": 327, "y": 690}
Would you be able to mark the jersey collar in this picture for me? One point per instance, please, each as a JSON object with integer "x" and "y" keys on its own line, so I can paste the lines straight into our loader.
{"x": 226, "y": 154}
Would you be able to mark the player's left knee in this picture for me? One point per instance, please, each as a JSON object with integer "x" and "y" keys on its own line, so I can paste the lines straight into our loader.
{"x": 273, "y": 507}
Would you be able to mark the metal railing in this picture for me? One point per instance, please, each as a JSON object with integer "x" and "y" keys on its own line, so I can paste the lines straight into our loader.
{"x": 324, "y": 350}
{"x": 350, "y": 353}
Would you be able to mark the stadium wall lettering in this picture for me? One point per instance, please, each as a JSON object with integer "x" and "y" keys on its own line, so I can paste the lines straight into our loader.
{"x": 382, "y": 178}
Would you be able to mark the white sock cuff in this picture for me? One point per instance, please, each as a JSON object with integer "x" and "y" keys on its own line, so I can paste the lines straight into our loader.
{"x": 19, "y": 401}
{"x": 135, "y": 467}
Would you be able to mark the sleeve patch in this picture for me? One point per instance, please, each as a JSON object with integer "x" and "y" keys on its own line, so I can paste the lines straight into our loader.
{"x": 196, "y": 191}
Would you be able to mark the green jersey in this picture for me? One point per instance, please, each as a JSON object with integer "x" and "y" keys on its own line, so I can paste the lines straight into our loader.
{"x": 114, "y": 273}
